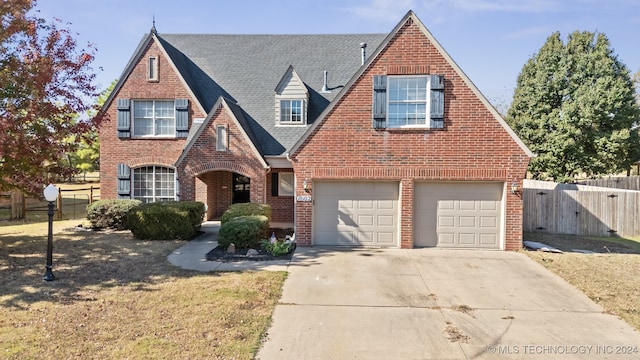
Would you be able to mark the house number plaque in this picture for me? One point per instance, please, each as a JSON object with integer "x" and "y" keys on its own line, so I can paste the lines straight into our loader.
{"x": 303, "y": 198}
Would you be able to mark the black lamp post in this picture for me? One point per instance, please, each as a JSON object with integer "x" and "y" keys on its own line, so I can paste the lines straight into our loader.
{"x": 50, "y": 194}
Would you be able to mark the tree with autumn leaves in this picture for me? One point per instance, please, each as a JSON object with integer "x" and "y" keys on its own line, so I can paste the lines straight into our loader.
{"x": 47, "y": 80}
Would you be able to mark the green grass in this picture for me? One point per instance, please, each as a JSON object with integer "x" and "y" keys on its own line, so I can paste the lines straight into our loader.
{"x": 117, "y": 297}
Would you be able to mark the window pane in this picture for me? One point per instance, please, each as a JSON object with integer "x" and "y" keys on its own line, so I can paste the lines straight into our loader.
{"x": 153, "y": 183}
{"x": 291, "y": 111}
{"x": 222, "y": 138}
{"x": 407, "y": 101}
{"x": 285, "y": 110}
{"x": 154, "y": 117}
{"x": 296, "y": 110}
{"x": 285, "y": 187}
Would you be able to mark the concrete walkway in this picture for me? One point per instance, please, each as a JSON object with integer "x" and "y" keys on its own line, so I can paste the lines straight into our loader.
{"x": 192, "y": 255}
{"x": 426, "y": 304}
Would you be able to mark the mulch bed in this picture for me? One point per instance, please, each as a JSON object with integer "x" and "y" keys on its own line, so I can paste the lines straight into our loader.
{"x": 220, "y": 253}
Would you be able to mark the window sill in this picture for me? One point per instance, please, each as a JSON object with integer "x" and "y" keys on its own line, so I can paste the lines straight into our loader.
{"x": 291, "y": 125}
{"x": 153, "y": 137}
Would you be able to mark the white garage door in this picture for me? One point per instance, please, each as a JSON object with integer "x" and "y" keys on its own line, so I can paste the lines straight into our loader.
{"x": 354, "y": 213}
{"x": 458, "y": 215}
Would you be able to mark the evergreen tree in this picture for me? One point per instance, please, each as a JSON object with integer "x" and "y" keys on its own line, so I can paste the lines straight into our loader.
{"x": 574, "y": 107}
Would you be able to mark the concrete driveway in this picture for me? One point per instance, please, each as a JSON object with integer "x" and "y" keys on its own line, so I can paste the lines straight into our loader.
{"x": 437, "y": 304}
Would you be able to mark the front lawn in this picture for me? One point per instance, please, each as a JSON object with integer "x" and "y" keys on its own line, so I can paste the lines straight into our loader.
{"x": 117, "y": 297}
{"x": 610, "y": 277}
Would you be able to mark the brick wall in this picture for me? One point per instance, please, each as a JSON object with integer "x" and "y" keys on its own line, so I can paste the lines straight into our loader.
{"x": 138, "y": 152}
{"x": 472, "y": 146}
{"x": 281, "y": 206}
{"x": 203, "y": 158}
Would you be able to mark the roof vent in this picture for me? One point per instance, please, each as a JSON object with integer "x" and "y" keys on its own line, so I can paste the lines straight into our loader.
{"x": 363, "y": 51}
{"x": 325, "y": 87}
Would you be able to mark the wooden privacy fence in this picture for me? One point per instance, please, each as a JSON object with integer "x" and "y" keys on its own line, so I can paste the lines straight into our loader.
{"x": 580, "y": 210}
{"x": 626, "y": 182}
{"x": 70, "y": 204}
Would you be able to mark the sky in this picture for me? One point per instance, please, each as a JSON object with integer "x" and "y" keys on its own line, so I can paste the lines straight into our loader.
{"x": 489, "y": 39}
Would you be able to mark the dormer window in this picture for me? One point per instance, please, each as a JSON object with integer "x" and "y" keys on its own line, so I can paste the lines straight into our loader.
{"x": 292, "y": 98}
{"x": 291, "y": 112}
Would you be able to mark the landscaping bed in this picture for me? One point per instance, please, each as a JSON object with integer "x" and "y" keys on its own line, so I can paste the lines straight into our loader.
{"x": 220, "y": 253}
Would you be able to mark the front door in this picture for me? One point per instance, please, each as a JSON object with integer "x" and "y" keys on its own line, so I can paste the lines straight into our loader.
{"x": 241, "y": 189}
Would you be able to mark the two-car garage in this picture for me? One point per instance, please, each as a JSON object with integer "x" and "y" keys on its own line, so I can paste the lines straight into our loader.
{"x": 445, "y": 214}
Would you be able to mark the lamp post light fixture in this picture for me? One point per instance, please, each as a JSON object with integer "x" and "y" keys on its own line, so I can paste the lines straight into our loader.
{"x": 51, "y": 195}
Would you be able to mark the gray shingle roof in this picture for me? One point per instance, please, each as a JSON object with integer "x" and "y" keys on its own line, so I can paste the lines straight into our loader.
{"x": 245, "y": 69}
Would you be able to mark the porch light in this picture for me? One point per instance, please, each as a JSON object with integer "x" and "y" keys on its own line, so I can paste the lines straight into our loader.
{"x": 306, "y": 185}
{"x": 514, "y": 188}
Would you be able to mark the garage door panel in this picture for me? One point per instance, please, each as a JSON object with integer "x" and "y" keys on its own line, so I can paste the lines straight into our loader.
{"x": 446, "y": 205}
{"x": 489, "y": 222}
{"x": 366, "y": 213}
{"x": 467, "y": 239}
{"x": 386, "y": 220}
{"x": 467, "y": 205}
{"x": 364, "y": 220}
{"x": 446, "y": 221}
{"x": 365, "y": 205}
{"x": 386, "y": 238}
{"x": 489, "y": 205}
{"x": 458, "y": 214}
{"x": 467, "y": 222}
{"x": 446, "y": 238}
{"x": 488, "y": 239}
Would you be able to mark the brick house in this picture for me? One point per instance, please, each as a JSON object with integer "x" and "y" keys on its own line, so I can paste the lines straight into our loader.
{"x": 355, "y": 140}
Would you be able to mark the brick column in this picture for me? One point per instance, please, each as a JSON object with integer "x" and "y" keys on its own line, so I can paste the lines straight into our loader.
{"x": 406, "y": 214}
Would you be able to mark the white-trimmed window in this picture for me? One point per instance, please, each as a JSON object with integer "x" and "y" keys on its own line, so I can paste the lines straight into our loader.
{"x": 154, "y": 183}
{"x": 292, "y": 112}
{"x": 152, "y": 68}
{"x": 408, "y": 101}
{"x": 222, "y": 138}
{"x": 407, "y": 104}
{"x": 154, "y": 118}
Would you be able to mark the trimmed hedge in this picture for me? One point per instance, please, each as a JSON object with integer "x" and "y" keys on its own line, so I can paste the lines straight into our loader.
{"x": 244, "y": 231}
{"x": 111, "y": 214}
{"x": 245, "y": 209}
{"x": 166, "y": 220}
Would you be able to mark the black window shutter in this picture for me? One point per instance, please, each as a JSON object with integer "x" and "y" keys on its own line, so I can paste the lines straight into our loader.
{"x": 275, "y": 184}
{"x": 182, "y": 117}
{"x": 437, "y": 102}
{"x": 379, "y": 101}
{"x": 124, "y": 181}
{"x": 124, "y": 118}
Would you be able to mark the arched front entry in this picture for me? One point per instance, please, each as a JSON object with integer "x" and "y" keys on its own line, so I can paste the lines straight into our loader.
{"x": 221, "y": 188}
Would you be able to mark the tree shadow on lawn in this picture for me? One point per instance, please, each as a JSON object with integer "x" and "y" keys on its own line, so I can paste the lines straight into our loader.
{"x": 83, "y": 262}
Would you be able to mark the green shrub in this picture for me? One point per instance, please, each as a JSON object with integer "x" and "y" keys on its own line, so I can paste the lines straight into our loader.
{"x": 244, "y": 231}
{"x": 160, "y": 222}
{"x": 245, "y": 209}
{"x": 277, "y": 247}
{"x": 194, "y": 208}
{"x": 111, "y": 214}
